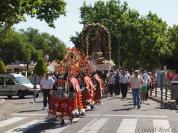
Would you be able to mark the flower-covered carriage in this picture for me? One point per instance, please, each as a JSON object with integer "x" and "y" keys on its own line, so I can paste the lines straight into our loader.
{"x": 81, "y": 87}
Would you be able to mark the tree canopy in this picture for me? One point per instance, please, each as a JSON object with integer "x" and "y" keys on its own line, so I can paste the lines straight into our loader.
{"x": 136, "y": 41}
{"x": 14, "y": 11}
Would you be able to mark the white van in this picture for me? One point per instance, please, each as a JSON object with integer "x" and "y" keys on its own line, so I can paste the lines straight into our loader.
{"x": 16, "y": 85}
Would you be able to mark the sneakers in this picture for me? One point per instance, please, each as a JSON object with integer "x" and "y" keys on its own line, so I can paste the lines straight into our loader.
{"x": 44, "y": 108}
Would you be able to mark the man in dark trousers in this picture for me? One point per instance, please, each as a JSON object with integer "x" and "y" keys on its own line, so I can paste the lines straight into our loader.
{"x": 46, "y": 85}
{"x": 117, "y": 84}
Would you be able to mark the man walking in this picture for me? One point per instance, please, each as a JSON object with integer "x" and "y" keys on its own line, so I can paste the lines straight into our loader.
{"x": 124, "y": 83}
{"x": 135, "y": 83}
{"x": 46, "y": 85}
{"x": 117, "y": 84}
{"x": 144, "y": 88}
{"x": 110, "y": 82}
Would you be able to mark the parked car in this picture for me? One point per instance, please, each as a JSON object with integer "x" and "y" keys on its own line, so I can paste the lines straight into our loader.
{"x": 16, "y": 85}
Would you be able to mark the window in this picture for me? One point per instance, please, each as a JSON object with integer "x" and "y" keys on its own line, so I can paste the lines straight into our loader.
{"x": 1, "y": 81}
{"x": 22, "y": 80}
{"x": 9, "y": 81}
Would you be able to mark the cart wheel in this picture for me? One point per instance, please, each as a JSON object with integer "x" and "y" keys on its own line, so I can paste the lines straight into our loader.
{"x": 71, "y": 120}
{"x": 62, "y": 122}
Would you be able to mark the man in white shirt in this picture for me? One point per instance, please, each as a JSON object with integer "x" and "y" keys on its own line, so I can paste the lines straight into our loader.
{"x": 46, "y": 85}
{"x": 135, "y": 83}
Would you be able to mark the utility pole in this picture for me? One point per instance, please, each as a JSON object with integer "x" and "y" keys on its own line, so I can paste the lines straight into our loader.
{"x": 34, "y": 88}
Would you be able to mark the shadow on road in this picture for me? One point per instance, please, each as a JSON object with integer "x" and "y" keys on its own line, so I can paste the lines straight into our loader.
{"x": 34, "y": 110}
{"x": 130, "y": 104}
{"x": 124, "y": 109}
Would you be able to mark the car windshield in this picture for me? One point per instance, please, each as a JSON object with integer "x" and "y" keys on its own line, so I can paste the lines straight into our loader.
{"x": 22, "y": 80}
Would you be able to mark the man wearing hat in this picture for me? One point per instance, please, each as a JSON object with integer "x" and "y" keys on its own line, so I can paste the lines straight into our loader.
{"x": 135, "y": 83}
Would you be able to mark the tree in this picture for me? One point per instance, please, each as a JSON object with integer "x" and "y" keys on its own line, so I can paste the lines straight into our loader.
{"x": 58, "y": 52}
{"x": 40, "y": 67}
{"x": 136, "y": 41}
{"x": 13, "y": 46}
{"x": 2, "y": 67}
{"x": 14, "y": 11}
{"x": 173, "y": 41}
{"x": 49, "y": 44}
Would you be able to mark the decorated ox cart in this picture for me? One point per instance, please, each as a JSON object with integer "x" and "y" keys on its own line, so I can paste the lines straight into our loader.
{"x": 66, "y": 97}
{"x": 81, "y": 87}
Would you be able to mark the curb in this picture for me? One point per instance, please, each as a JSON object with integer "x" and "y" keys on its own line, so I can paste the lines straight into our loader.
{"x": 167, "y": 105}
{"x": 2, "y": 101}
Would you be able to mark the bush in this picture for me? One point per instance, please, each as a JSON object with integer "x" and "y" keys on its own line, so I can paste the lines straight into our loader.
{"x": 2, "y": 67}
{"x": 40, "y": 67}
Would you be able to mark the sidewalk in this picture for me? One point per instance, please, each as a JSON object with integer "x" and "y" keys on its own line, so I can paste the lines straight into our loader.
{"x": 2, "y": 101}
{"x": 169, "y": 103}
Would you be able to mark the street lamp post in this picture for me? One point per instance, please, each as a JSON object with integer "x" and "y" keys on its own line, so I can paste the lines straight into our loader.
{"x": 34, "y": 87}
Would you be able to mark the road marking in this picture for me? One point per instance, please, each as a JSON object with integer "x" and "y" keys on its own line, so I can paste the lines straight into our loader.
{"x": 25, "y": 127}
{"x": 162, "y": 126}
{"x": 152, "y": 116}
{"x": 10, "y": 121}
{"x": 146, "y": 116}
{"x": 57, "y": 130}
{"x": 127, "y": 126}
{"x": 24, "y": 114}
{"x": 93, "y": 126}
{"x": 95, "y": 115}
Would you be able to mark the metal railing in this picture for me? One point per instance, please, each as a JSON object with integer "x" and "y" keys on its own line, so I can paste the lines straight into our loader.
{"x": 166, "y": 93}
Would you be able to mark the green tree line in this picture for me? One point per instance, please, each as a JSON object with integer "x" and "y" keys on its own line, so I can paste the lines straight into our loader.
{"x": 139, "y": 41}
{"x": 30, "y": 45}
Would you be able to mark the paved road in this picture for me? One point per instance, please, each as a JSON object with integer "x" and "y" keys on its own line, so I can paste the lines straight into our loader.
{"x": 115, "y": 116}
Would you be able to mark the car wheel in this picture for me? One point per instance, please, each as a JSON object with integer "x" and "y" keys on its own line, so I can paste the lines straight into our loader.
{"x": 9, "y": 96}
{"x": 37, "y": 95}
{"x": 20, "y": 94}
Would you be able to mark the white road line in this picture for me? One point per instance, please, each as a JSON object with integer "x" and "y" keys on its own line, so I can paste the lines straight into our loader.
{"x": 149, "y": 116}
{"x": 95, "y": 115}
{"x": 25, "y": 127}
{"x": 162, "y": 126}
{"x": 24, "y": 114}
{"x": 93, "y": 126}
{"x": 10, "y": 121}
{"x": 59, "y": 129}
{"x": 127, "y": 126}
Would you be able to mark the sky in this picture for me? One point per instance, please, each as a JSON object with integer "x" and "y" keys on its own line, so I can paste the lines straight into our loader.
{"x": 66, "y": 26}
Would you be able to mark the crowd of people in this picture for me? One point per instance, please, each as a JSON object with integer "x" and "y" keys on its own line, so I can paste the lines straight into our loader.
{"x": 117, "y": 82}
{"x": 140, "y": 82}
